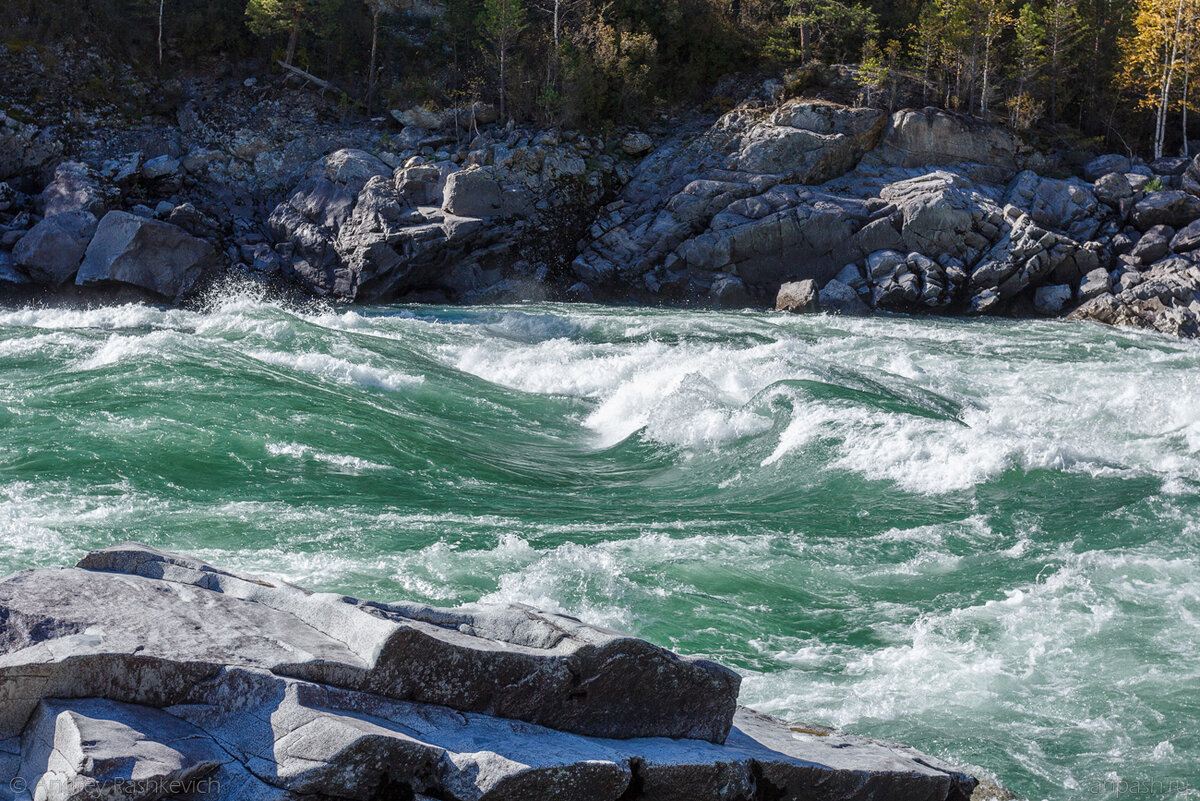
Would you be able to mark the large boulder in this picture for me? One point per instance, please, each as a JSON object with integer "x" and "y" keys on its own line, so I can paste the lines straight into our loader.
{"x": 1165, "y": 298}
{"x": 149, "y": 254}
{"x": 1171, "y": 207}
{"x": 141, "y": 673}
{"x": 472, "y": 193}
{"x": 1105, "y": 165}
{"x": 944, "y": 213}
{"x": 52, "y": 250}
{"x": 933, "y": 137}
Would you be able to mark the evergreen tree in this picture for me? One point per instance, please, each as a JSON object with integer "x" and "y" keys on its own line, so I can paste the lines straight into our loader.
{"x": 502, "y": 23}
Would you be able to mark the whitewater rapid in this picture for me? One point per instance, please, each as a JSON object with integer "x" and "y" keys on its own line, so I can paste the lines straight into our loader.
{"x": 980, "y": 538}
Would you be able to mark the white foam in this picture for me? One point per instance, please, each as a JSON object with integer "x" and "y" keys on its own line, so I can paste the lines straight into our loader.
{"x": 341, "y": 461}
{"x": 340, "y": 370}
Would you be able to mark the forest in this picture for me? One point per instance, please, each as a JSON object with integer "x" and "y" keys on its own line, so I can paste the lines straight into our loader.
{"x": 1118, "y": 71}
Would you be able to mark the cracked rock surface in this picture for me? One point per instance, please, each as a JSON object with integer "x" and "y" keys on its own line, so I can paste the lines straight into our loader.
{"x": 144, "y": 674}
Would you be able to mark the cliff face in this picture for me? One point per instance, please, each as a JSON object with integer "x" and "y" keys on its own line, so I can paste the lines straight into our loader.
{"x": 917, "y": 211}
{"x": 141, "y": 673}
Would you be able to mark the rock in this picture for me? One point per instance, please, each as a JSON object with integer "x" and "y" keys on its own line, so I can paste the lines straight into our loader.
{"x": 472, "y": 193}
{"x": 809, "y": 142}
{"x": 944, "y": 213}
{"x": 1153, "y": 244}
{"x": 637, "y": 144}
{"x": 140, "y": 671}
{"x": 479, "y": 113}
{"x": 1170, "y": 166}
{"x": 797, "y": 296}
{"x": 729, "y": 292}
{"x": 1093, "y": 285}
{"x": 1103, "y": 165}
{"x": 933, "y": 137}
{"x": 1164, "y": 298}
{"x": 53, "y": 249}
{"x": 507, "y": 661}
{"x": 425, "y": 118}
{"x": 146, "y": 253}
{"x": 159, "y": 168}
{"x": 1050, "y": 300}
{"x": 1111, "y": 188}
{"x": 77, "y": 187}
{"x": 10, "y": 198}
{"x": 1066, "y": 206}
{"x": 1169, "y": 207}
{"x": 10, "y": 276}
{"x": 840, "y": 298}
{"x": 1188, "y": 238}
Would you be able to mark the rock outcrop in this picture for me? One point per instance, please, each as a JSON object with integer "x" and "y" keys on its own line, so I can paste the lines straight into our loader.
{"x": 148, "y": 254}
{"x": 144, "y": 674}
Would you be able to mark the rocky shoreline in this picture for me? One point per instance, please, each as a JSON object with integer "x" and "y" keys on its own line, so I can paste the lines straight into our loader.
{"x": 849, "y": 210}
{"x": 140, "y": 673}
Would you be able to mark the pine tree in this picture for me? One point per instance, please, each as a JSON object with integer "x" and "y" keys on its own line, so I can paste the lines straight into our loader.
{"x": 270, "y": 17}
{"x": 502, "y": 23}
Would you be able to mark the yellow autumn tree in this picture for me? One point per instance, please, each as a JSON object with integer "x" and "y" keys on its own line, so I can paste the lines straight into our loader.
{"x": 1160, "y": 56}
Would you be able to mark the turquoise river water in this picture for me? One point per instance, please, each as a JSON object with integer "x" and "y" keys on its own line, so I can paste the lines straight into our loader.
{"x": 978, "y": 538}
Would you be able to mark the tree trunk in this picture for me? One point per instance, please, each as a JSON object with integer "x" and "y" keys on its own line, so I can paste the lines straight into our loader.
{"x": 371, "y": 74}
{"x": 160, "y": 29}
{"x": 503, "y": 48}
{"x": 292, "y": 40}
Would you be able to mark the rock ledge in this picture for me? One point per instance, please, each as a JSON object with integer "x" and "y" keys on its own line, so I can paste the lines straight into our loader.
{"x": 144, "y": 674}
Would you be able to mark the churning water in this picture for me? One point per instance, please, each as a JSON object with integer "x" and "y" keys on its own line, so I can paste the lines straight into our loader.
{"x": 978, "y": 538}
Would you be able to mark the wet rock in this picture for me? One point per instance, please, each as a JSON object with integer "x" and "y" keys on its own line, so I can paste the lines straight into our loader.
{"x": 729, "y": 292}
{"x": 146, "y": 253}
{"x": 53, "y": 249}
{"x": 797, "y": 296}
{"x": 840, "y": 298}
{"x": 1052, "y": 299}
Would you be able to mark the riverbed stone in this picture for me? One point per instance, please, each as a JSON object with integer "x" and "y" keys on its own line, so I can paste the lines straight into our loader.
{"x": 797, "y": 296}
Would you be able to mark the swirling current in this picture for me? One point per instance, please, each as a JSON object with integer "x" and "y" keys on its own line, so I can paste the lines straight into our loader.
{"x": 978, "y": 538}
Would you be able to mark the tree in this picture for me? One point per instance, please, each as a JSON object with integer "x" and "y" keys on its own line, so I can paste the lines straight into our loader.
{"x": 270, "y": 17}
{"x": 377, "y": 9}
{"x": 1162, "y": 44}
{"x": 1063, "y": 28}
{"x": 1029, "y": 51}
{"x": 502, "y": 23}
{"x": 996, "y": 20}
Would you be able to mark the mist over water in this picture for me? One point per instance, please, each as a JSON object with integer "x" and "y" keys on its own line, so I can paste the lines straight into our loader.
{"x": 978, "y": 538}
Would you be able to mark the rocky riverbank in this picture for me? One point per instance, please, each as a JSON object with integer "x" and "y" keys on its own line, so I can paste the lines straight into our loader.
{"x": 139, "y": 671}
{"x": 798, "y": 204}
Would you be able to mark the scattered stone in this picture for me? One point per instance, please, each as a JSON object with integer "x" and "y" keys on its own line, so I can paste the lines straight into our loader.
{"x": 840, "y": 298}
{"x": 637, "y": 144}
{"x": 1171, "y": 207}
{"x": 156, "y": 169}
{"x": 1188, "y": 238}
{"x": 1103, "y": 165}
{"x": 1153, "y": 244}
{"x": 797, "y": 296}
{"x": 1112, "y": 188}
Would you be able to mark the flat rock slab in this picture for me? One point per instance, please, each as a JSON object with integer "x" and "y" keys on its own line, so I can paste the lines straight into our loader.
{"x": 142, "y": 626}
{"x": 143, "y": 674}
{"x": 258, "y": 736}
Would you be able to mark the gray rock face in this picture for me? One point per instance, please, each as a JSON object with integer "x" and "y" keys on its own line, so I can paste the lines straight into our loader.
{"x": 1051, "y": 300}
{"x": 840, "y": 298}
{"x": 797, "y": 296}
{"x": 145, "y": 674}
{"x": 1069, "y": 207}
{"x": 933, "y": 137}
{"x": 153, "y": 255}
{"x": 1165, "y": 298}
{"x": 52, "y": 250}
